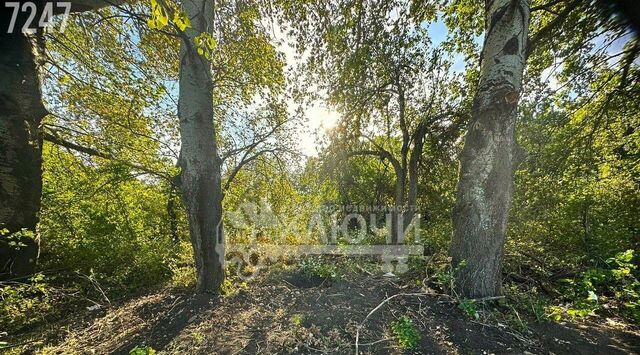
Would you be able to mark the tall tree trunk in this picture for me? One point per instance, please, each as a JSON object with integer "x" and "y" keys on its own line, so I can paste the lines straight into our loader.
{"x": 21, "y": 112}
{"x": 487, "y": 162}
{"x": 397, "y": 214}
{"x": 414, "y": 161}
{"x": 200, "y": 163}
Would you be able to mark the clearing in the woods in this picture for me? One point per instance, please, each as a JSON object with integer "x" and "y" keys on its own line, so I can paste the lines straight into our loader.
{"x": 284, "y": 311}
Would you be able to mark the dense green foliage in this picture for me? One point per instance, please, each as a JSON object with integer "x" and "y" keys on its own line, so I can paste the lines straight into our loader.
{"x": 105, "y": 222}
{"x": 405, "y": 332}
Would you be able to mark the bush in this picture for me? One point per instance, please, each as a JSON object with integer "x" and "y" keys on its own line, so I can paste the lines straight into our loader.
{"x": 405, "y": 332}
{"x": 316, "y": 268}
{"x": 613, "y": 287}
{"x": 24, "y": 303}
{"x": 106, "y": 222}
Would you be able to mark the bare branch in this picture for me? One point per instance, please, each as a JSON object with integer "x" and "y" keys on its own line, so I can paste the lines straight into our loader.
{"x": 88, "y": 5}
{"x": 547, "y": 30}
{"x": 54, "y": 138}
{"x": 246, "y": 160}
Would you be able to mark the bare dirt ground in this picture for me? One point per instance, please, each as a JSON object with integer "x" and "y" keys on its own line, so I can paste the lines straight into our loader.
{"x": 283, "y": 312}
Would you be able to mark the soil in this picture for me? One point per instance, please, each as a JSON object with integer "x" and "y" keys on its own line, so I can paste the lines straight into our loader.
{"x": 284, "y": 313}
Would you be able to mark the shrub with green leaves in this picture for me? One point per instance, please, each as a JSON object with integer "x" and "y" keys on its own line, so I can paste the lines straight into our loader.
{"x": 24, "y": 303}
{"x": 444, "y": 277}
{"x": 469, "y": 307}
{"x": 103, "y": 220}
{"x": 614, "y": 284}
{"x": 405, "y": 332}
{"x": 315, "y": 267}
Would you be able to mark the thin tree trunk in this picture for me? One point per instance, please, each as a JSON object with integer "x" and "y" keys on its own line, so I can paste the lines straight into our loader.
{"x": 397, "y": 213}
{"x": 21, "y": 112}
{"x": 173, "y": 196}
{"x": 200, "y": 163}
{"x": 414, "y": 160}
{"x": 487, "y": 162}
{"x": 398, "y": 217}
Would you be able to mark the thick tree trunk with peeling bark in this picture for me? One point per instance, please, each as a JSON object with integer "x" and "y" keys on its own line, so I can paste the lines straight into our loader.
{"x": 488, "y": 159}
{"x": 199, "y": 160}
{"x": 21, "y": 111}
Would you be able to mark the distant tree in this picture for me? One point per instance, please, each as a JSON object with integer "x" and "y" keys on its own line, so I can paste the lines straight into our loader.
{"x": 394, "y": 88}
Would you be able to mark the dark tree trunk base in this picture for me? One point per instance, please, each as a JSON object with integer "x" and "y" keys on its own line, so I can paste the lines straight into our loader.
{"x": 21, "y": 112}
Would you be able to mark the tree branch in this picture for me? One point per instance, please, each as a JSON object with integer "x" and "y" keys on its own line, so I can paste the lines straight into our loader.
{"x": 534, "y": 40}
{"x": 87, "y": 5}
{"x": 546, "y": 6}
{"x": 54, "y": 138}
{"x": 246, "y": 160}
{"x": 382, "y": 154}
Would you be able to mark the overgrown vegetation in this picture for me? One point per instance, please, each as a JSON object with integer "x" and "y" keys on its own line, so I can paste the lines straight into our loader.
{"x": 318, "y": 268}
{"x": 398, "y": 81}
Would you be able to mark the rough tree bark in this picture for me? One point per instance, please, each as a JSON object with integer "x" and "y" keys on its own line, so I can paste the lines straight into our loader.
{"x": 199, "y": 160}
{"x": 488, "y": 159}
{"x": 21, "y": 112}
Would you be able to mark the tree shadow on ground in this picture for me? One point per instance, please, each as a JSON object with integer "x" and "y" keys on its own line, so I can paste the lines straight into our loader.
{"x": 278, "y": 314}
{"x": 585, "y": 338}
{"x": 170, "y": 317}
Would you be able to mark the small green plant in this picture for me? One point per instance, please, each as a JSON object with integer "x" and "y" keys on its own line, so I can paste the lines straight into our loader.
{"x": 183, "y": 276}
{"x": 314, "y": 267}
{"x": 142, "y": 350}
{"x": 25, "y": 303}
{"x": 537, "y": 308}
{"x": 469, "y": 307}
{"x": 296, "y": 319}
{"x": 232, "y": 286}
{"x": 405, "y": 332}
{"x": 445, "y": 278}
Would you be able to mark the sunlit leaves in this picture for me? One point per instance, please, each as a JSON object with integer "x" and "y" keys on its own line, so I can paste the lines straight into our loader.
{"x": 105, "y": 221}
{"x": 181, "y": 19}
{"x": 465, "y": 21}
{"x": 205, "y": 44}
{"x": 159, "y": 17}
{"x": 107, "y": 88}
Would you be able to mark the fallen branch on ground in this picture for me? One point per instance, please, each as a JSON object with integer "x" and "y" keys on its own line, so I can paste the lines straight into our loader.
{"x": 361, "y": 325}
